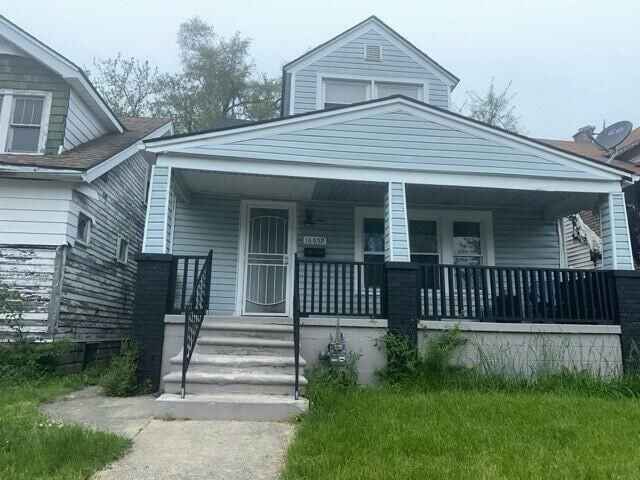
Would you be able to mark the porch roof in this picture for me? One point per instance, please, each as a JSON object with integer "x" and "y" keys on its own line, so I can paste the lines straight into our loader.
{"x": 395, "y": 138}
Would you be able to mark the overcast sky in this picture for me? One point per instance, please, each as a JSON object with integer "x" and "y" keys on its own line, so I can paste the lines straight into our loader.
{"x": 572, "y": 62}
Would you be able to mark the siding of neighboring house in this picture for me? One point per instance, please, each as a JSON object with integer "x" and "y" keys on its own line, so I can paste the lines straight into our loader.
{"x": 21, "y": 73}
{"x": 82, "y": 125}
{"x": 521, "y": 238}
{"x": 35, "y": 212}
{"x": 97, "y": 291}
{"x": 349, "y": 60}
{"x": 577, "y": 252}
{"x": 399, "y": 140}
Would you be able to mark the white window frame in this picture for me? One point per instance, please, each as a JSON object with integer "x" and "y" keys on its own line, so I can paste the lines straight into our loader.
{"x": 90, "y": 224}
{"x": 444, "y": 221}
{"x": 321, "y": 78}
{"x": 6, "y": 113}
{"x": 118, "y": 246}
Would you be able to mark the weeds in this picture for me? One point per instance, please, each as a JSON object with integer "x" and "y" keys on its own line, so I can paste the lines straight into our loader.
{"x": 121, "y": 378}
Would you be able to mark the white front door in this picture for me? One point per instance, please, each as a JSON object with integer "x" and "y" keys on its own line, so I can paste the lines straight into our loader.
{"x": 268, "y": 258}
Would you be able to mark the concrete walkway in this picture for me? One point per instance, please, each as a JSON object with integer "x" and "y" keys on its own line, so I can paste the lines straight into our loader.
{"x": 176, "y": 449}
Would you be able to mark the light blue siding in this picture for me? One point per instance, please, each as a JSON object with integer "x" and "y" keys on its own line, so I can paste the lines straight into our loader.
{"x": 616, "y": 246}
{"x": 524, "y": 238}
{"x": 206, "y": 223}
{"x": 398, "y": 140}
{"x": 349, "y": 60}
{"x": 331, "y": 220}
{"x": 155, "y": 227}
{"x": 395, "y": 224}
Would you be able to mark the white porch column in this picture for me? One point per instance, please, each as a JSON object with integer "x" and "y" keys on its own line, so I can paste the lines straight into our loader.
{"x": 396, "y": 225}
{"x": 157, "y": 234}
{"x": 616, "y": 240}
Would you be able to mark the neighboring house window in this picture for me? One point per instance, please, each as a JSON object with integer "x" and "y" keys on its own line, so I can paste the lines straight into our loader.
{"x": 338, "y": 92}
{"x": 24, "y": 120}
{"x": 122, "y": 251}
{"x": 84, "y": 229}
{"x": 467, "y": 244}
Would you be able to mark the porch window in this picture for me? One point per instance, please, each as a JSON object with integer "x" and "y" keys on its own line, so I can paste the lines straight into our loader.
{"x": 423, "y": 240}
{"x": 344, "y": 92}
{"x": 24, "y": 118}
{"x": 467, "y": 246}
{"x": 373, "y": 249}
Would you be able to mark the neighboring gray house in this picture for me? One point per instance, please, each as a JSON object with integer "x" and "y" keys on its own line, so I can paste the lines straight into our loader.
{"x": 583, "y": 248}
{"x": 368, "y": 198}
{"x": 72, "y": 195}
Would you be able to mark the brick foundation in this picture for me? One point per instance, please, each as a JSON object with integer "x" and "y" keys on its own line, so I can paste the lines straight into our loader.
{"x": 152, "y": 286}
{"x": 628, "y": 300}
{"x": 402, "y": 298}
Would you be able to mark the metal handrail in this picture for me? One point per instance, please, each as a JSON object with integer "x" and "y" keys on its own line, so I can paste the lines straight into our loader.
{"x": 296, "y": 330}
{"x": 195, "y": 311}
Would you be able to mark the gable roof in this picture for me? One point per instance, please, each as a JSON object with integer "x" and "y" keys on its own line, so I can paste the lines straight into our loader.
{"x": 62, "y": 66}
{"x": 233, "y": 136}
{"x": 368, "y": 22}
{"x": 627, "y": 151}
{"x": 94, "y": 152}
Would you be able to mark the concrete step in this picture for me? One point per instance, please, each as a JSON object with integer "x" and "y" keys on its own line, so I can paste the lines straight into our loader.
{"x": 242, "y": 383}
{"x": 268, "y": 364}
{"x": 260, "y": 330}
{"x": 230, "y": 407}
{"x": 241, "y": 345}
{"x": 257, "y": 319}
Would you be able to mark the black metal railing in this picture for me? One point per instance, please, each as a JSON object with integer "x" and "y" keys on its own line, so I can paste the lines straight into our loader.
{"x": 185, "y": 270}
{"x": 195, "y": 311}
{"x": 516, "y": 294}
{"x": 296, "y": 333}
{"x": 340, "y": 288}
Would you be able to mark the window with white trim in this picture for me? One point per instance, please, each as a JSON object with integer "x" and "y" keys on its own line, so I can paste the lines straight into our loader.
{"x": 373, "y": 249}
{"x": 467, "y": 243}
{"x": 461, "y": 237}
{"x": 337, "y": 92}
{"x": 24, "y": 120}
{"x": 83, "y": 234}
{"x": 122, "y": 250}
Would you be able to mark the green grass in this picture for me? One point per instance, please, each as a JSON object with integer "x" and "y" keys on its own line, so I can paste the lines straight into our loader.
{"x": 409, "y": 433}
{"x": 34, "y": 447}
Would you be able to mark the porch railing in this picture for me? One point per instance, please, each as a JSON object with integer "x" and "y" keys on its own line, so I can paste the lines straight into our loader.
{"x": 516, "y": 294}
{"x": 195, "y": 311}
{"x": 183, "y": 276}
{"x": 337, "y": 288}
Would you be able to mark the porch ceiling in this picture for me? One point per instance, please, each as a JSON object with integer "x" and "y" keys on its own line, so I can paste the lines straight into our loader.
{"x": 294, "y": 189}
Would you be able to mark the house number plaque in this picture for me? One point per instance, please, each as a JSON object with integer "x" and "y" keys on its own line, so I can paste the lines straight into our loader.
{"x": 316, "y": 241}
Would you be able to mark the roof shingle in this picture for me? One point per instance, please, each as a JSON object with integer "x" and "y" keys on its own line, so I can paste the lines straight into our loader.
{"x": 94, "y": 152}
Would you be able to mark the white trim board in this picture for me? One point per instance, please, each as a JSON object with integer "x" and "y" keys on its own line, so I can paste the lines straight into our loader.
{"x": 384, "y": 175}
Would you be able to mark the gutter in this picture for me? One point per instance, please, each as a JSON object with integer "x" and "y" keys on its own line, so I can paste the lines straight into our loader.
{"x": 17, "y": 171}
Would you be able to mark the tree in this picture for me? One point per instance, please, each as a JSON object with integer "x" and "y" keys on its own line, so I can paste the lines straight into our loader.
{"x": 493, "y": 108}
{"x": 130, "y": 86}
{"x": 218, "y": 80}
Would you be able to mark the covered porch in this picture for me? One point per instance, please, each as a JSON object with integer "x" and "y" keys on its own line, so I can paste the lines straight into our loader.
{"x": 478, "y": 253}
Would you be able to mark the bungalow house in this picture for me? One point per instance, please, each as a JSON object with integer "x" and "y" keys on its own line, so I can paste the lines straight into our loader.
{"x": 369, "y": 202}
{"x": 72, "y": 196}
{"x": 582, "y": 231}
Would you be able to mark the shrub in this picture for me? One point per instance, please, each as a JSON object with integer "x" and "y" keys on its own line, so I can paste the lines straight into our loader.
{"x": 23, "y": 360}
{"x": 402, "y": 357}
{"x": 121, "y": 377}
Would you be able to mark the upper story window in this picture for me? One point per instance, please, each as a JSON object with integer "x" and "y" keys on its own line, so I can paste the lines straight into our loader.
{"x": 336, "y": 92}
{"x": 24, "y": 119}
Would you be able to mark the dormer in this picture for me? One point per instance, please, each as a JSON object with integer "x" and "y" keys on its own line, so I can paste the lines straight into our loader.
{"x": 368, "y": 61}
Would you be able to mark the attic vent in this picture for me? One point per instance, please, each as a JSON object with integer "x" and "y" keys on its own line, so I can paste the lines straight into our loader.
{"x": 372, "y": 53}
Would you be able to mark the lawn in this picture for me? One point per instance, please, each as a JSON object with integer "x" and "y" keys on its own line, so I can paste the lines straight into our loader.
{"x": 408, "y": 433}
{"x": 34, "y": 447}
